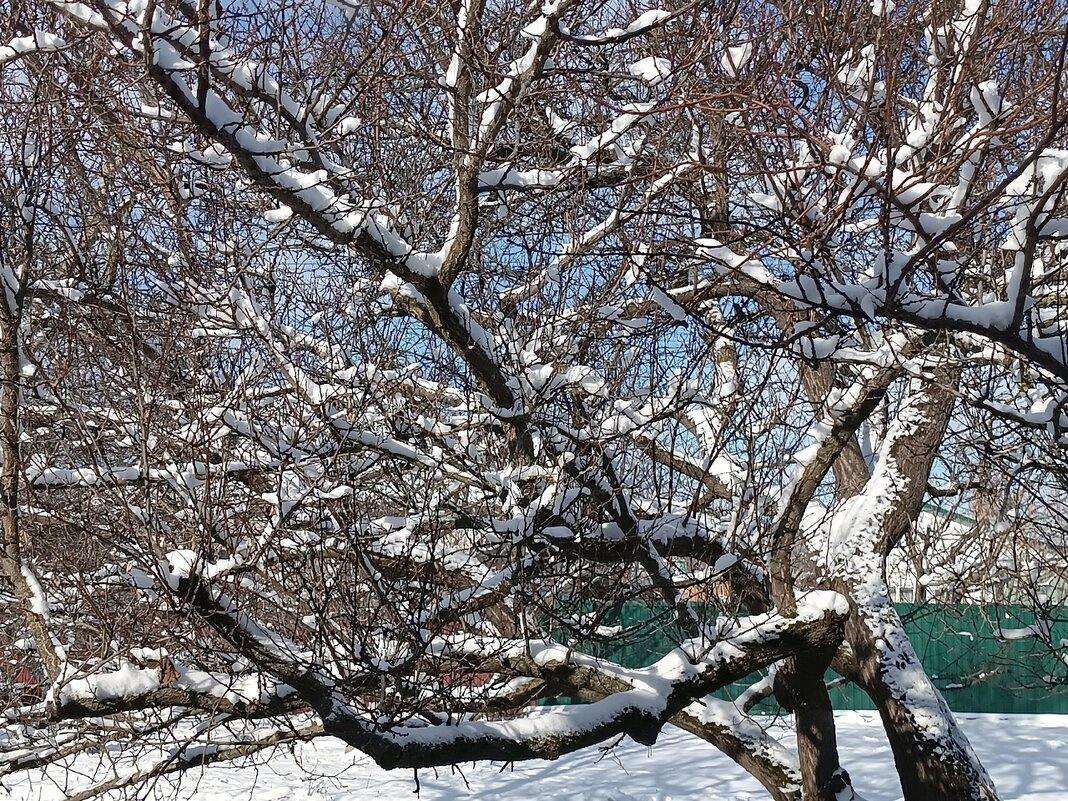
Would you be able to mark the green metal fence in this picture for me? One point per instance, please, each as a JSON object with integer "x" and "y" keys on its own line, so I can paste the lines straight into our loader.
{"x": 976, "y": 655}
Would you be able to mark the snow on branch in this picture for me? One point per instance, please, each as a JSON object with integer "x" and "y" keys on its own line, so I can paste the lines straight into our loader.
{"x": 21, "y": 46}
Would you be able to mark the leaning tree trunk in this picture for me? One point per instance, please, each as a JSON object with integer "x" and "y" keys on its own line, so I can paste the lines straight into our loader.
{"x": 934, "y": 760}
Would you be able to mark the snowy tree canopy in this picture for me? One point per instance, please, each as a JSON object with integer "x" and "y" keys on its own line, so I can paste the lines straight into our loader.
{"x": 357, "y": 359}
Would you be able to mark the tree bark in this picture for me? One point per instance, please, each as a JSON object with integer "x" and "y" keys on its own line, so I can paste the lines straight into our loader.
{"x": 800, "y": 688}
{"x": 934, "y": 760}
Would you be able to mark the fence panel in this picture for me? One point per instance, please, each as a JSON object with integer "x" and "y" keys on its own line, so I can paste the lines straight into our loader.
{"x": 981, "y": 658}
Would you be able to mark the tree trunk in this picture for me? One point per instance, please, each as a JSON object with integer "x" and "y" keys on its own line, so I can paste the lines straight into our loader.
{"x": 934, "y": 760}
{"x": 800, "y": 688}
{"x": 13, "y": 565}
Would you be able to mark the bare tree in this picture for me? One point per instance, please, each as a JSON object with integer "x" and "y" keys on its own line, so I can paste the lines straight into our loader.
{"x": 357, "y": 359}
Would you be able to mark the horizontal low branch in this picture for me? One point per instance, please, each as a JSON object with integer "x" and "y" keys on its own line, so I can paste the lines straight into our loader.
{"x": 656, "y": 695}
{"x": 635, "y": 702}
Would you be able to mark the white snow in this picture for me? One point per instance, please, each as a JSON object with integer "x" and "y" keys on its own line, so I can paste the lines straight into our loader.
{"x": 648, "y": 20}
{"x": 280, "y": 214}
{"x": 41, "y": 41}
{"x": 127, "y": 680}
{"x": 645, "y": 21}
{"x": 1024, "y": 755}
{"x": 736, "y": 58}
{"x": 651, "y": 70}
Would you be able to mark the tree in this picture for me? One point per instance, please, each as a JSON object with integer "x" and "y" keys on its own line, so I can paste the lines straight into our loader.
{"x": 356, "y": 359}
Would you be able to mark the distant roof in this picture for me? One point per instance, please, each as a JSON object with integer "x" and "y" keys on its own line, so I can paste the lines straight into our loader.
{"x": 949, "y": 514}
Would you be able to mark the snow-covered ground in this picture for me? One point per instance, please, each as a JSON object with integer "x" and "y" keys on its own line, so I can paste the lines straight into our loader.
{"x": 1024, "y": 754}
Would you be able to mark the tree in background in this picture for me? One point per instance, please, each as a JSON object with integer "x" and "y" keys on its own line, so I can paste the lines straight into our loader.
{"x": 357, "y": 360}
